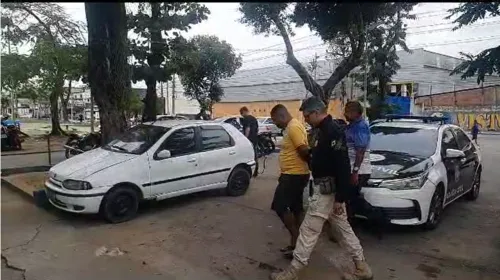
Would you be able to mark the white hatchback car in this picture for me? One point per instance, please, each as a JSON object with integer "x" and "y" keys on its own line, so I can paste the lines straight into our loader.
{"x": 418, "y": 168}
{"x": 152, "y": 161}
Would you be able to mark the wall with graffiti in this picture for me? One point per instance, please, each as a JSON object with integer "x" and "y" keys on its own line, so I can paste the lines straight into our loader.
{"x": 487, "y": 120}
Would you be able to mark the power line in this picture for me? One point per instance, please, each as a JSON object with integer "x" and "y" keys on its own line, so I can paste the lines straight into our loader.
{"x": 268, "y": 49}
{"x": 470, "y": 40}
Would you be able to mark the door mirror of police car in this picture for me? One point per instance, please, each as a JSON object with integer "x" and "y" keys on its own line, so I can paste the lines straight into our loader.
{"x": 452, "y": 153}
{"x": 164, "y": 154}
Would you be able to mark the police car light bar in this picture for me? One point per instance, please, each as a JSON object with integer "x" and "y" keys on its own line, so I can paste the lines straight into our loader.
{"x": 425, "y": 119}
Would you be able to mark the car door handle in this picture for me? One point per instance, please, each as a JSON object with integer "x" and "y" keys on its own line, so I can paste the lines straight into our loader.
{"x": 192, "y": 160}
{"x": 232, "y": 153}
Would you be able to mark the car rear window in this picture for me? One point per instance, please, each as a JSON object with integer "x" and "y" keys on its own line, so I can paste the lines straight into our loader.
{"x": 408, "y": 140}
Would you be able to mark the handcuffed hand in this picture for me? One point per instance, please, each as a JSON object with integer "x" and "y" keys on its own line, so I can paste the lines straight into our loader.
{"x": 338, "y": 208}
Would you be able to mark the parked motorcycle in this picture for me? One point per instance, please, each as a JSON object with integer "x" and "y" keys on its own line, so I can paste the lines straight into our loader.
{"x": 77, "y": 144}
{"x": 265, "y": 144}
{"x": 10, "y": 134}
{"x": 10, "y": 138}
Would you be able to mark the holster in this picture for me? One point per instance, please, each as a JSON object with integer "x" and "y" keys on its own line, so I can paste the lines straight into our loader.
{"x": 326, "y": 185}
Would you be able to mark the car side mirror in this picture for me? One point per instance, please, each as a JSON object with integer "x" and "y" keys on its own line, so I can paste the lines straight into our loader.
{"x": 452, "y": 153}
{"x": 163, "y": 154}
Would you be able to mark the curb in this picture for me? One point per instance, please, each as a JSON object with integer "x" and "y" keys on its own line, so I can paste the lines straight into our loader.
{"x": 17, "y": 190}
{"x": 38, "y": 197}
{"x": 32, "y": 153}
{"x": 21, "y": 170}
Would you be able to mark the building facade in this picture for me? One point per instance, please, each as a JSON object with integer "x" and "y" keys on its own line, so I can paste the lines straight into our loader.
{"x": 463, "y": 107}
{"x": 422, "y": 73}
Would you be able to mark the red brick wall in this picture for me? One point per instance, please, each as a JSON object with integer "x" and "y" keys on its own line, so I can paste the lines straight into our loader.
{"x": 464, "y": 98}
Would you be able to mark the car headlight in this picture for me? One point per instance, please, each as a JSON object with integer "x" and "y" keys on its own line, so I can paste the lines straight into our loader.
{"x": 405, "y": 184}
{"x": 76, "y": 185}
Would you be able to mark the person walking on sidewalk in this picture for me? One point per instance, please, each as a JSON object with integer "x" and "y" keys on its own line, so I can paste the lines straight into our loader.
{"x": 294, "y": 174}
{"x": 330, "y": 169}
{"x": 475, "y": 131}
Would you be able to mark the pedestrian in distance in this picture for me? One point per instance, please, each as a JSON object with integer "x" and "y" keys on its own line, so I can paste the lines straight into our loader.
{"x": 250, "y": 130}
{"x": 358, "y": 142}
{"x": 331, "y": 172}
{"x": 294, "y": 174}
{"x": 475, "y": 131}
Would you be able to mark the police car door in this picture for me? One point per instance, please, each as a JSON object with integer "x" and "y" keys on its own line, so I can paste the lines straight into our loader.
{"x": 469, "y": 163}
{"x": 453, "y": 167}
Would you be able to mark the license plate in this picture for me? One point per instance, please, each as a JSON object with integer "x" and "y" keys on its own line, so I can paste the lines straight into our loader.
{"x": 4, "y": 136}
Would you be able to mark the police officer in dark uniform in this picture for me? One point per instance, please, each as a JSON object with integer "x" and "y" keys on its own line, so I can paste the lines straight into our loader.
{"x": 331, "y": 170}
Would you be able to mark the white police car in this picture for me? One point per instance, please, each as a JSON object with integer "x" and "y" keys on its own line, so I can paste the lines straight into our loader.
{"x": 419, "y": 166}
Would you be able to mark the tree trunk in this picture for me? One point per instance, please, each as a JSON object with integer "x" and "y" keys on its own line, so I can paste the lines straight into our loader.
{"x": 154, "y": 61}
{"x": 149, "y": 114}
{"x": 341, "y": 71}
{"x": 108, "y": 71}
{"x": 54, "y": 108}
{"x": 64, "y": 103}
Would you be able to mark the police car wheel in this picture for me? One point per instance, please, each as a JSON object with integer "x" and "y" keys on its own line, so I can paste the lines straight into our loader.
{"x": 435, "y": 209}
{"x": 476, "y": 185}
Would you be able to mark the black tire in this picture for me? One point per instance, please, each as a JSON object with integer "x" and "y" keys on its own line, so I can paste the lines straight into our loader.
{"x": 119, "y": 205}
{"x": 435, "y": 209}
{"x": 238, "y": 182}
{"x": 476, "y": 185}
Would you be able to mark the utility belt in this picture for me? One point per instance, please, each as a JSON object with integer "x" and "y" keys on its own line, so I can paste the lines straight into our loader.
{"x": 326, "y": 185}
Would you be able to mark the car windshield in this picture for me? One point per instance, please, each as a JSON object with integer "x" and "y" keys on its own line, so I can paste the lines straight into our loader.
{"x": 413, "y": 141}
{"x": 137, "y": 139}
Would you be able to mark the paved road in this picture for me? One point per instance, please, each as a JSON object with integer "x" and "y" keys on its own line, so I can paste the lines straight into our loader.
{"x": 208, "y": 236}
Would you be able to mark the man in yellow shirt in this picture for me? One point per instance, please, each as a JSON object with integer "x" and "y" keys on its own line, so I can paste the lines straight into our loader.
{"x": 294, "y": 177}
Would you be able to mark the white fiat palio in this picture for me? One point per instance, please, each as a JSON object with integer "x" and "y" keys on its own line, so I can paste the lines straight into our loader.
{"x": 152, "y": 161}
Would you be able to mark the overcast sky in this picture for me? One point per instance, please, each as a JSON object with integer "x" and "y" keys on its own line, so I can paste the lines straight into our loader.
{"x": 429, "y": 31}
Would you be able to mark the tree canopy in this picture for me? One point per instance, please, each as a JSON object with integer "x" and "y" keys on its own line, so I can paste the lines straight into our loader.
{"x": 381, "y": 56}
{"x": 52, "y": 31}
{"x": 329, "y": 20}
{"x": 487, "y": 62}
{"x": 158, "y": 26}
{"x": 209, "y": 61}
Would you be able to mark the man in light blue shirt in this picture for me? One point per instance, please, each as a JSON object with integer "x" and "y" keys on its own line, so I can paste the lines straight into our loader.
{"x": 358, "y": 146}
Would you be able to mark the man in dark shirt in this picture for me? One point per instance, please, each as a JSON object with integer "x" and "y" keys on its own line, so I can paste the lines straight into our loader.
{"x": 475, "y": 131}
{"x": 250, "y": 130}
{"x": 331, "y": 170}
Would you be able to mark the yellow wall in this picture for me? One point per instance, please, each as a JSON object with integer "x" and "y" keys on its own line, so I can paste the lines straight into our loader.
{"x": 263, "y": 108}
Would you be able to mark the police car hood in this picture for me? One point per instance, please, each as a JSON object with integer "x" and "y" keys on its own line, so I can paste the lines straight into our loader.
{"x": 394, "y": 165}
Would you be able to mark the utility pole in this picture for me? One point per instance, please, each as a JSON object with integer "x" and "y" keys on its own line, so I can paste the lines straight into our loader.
{"x": 91, "y": 113}
{"x": 12, "y": 101}
{"x": 173, "y": 95}
{"x": 162, "y": 97}
{"x": 366, "y": 74}
{"x": 167, "y": 102}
